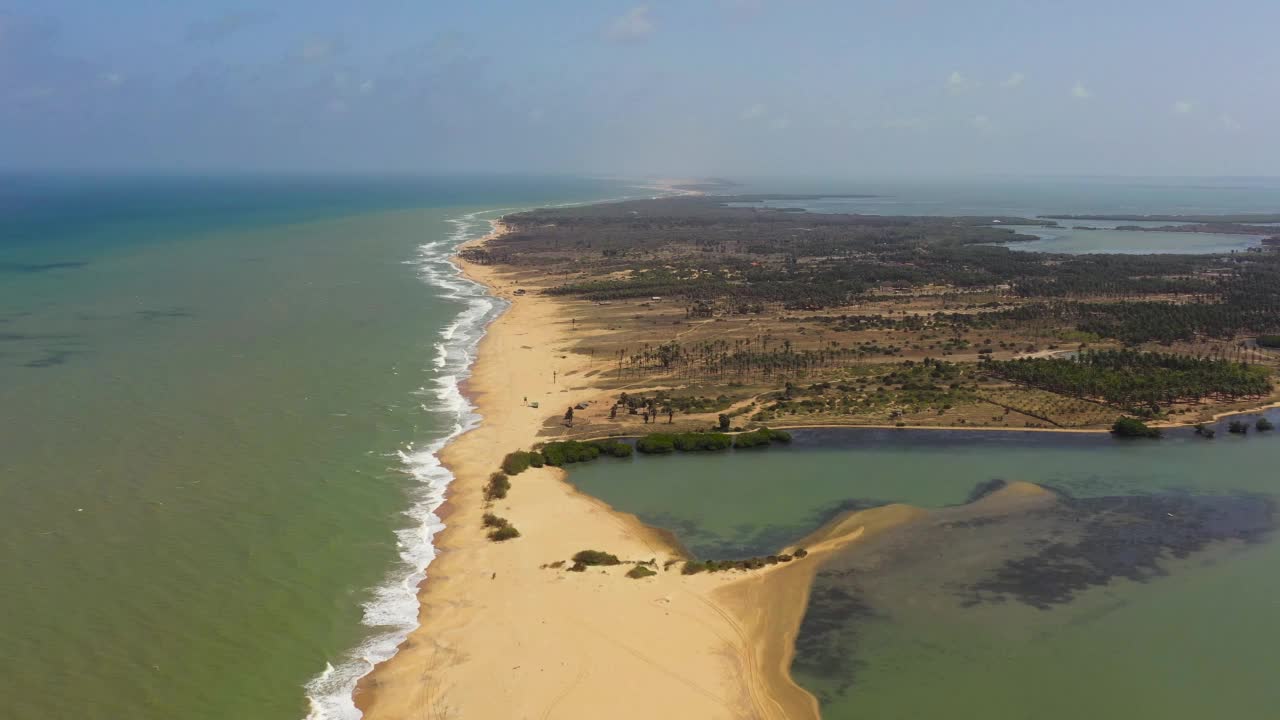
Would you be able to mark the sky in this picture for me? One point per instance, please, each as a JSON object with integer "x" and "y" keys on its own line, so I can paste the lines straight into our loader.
{"x": 667, "y": 87}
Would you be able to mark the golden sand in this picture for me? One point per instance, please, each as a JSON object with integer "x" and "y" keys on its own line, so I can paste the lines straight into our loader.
{"x": 503, "y": 637}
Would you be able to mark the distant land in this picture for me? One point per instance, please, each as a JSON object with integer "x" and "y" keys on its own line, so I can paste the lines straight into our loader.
{"x": 1205, "y": 219}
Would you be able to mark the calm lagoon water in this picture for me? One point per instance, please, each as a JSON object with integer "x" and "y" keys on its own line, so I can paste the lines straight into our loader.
{"x": 1129, "y": 242}
{"x": 219, "y": 396}
{"x": 1029, "y": 198}
{"x": 1196, "y": 640}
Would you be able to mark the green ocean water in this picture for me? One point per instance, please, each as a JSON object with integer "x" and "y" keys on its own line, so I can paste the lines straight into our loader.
{"x": 1197, "y": 641}
{"x": 218, "y": 400}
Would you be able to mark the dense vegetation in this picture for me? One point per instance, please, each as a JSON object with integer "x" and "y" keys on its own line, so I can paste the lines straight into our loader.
{"x": 567, "y": 452}
{"x": 721, "y": 260}
{"x": 1137, "y": 381}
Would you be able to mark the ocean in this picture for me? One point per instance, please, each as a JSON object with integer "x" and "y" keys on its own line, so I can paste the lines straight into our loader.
{"x": 221, "y": 401}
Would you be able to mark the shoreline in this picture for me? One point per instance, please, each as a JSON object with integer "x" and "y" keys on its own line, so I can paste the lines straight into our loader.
{"x": 501, "y": 635}
{"x": 727, "y": 641}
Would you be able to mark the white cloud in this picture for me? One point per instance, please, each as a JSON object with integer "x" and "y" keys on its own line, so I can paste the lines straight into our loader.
{"x": 631, "y": 26}
{"x": 1229, "y": 123}
{"x": 317, "y": 49}
{"x": 1080, "y": 92}
{"x": 982, "y": 123}
{"x": 755, "y": 111}
{"x": 908, "y": 123}
{"x": 957, "y": 83}
{"x": 1014, "y": 80}
{"x": 1182, "y": 107}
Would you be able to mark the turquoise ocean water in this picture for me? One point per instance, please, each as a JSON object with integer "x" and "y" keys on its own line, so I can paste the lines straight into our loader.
{"x": 221, "y": 398}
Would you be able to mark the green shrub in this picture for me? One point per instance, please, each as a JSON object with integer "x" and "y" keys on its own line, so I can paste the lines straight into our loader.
{"x": 799, "y": 553}
{"x": 657, "y": 444}
{"x": 760, "y": 438}
{"x": 693, "y": 567}
{"x": 516, "y": 462}
{"x": 493, "y": 521}
{"x": 506, "y": 532}
{"x": 536, "y": 459}
{"x": 595, "y": 557}
{"x": 497, "y": 487}
{"x": 614, "y": 448}
{"x": 1238, "y": 427}
{"x": 699, "y": 442}
{"x": 566, "y": 452}
{"x": 640, "y": 571}
{"x": 1264, "y": 425}
{"x": 1127, "y": 427}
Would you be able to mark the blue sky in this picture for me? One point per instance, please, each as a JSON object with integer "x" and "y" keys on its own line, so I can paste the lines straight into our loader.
{"x": 800, "y": 87}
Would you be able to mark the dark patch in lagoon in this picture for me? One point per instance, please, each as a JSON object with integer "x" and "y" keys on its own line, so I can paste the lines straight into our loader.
{"x": 51, "y": 358}
{"x": 749, "y": 539}
{"x": 1124, "y": 537}
{"x": 33, "y": 268}
{"x": 23, "y": 337}
{"x": 830, "y": 622}
{"x": 165, "y": 314}
{"x": 978, "y": 562}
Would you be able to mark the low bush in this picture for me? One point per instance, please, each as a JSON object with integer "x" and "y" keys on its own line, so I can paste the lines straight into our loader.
{"x": 657, "y": 444}
{"x": 536, "y": 459}
{"x": 701, "y": 442}
{"x": 640, "y": 571}
{"x": 1127, "y": 427}
{"x": 493, "y": 521}
{"x": 693, "y": 567}
{"x": 1238, "y": 427}
{"x": 614, "y": 448}
{"x": 760, "y": 438}
{"x": 506, "y": 532}
{"x": 516, "y": 462}
{"x": 1264, "y": 425}
{"x": 497, "y": 487}
{"x": 595, "y": 557}
{"x": 567, "y": 452}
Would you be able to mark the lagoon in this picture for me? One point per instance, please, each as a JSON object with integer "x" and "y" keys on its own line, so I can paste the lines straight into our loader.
{"x": 1190, "y": 636}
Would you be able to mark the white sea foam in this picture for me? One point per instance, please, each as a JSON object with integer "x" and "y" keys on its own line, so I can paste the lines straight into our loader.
{"x": 393, "y": 610}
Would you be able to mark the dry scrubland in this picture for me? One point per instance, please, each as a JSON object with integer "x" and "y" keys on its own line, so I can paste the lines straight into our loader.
{"x": 695, "y": 309}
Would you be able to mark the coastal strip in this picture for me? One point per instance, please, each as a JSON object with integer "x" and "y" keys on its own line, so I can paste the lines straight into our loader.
{"x": 501, "y": 635}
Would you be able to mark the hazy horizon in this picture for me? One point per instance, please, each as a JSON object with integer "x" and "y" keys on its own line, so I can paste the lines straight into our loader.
{"x": 737, "y": 88}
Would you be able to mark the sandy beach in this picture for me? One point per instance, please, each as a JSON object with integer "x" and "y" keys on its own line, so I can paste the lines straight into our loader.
{"x": 502, "y": 636}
